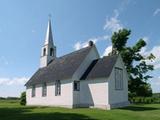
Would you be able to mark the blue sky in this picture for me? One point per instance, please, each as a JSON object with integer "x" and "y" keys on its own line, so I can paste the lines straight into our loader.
{"x": 23, "y": 25}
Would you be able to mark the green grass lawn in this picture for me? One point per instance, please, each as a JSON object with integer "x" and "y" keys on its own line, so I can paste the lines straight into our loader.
{"x": 11, "y": 110}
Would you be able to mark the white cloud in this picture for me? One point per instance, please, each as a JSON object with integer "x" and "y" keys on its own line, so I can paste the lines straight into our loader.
{"x": 143, "y": 51}
{"x": 78, "y": 45}
{"x": 113, "y": 24}
{"x": 107, "y": 50}
{"x": 155, "y": 51}
{"x": 157, "y": 11}
{"x": 13, "y": 81}
{"x": 155, "y": 83}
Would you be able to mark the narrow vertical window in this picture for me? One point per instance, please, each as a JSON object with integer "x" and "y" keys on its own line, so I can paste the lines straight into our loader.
{"x": 44, "y": 51}
{"x": 33, "y": 91}
{"x": 76, "y": 86}
{"x": 118, "y": 78}
{"x": 44, "y": 90}
{"x": 58, "y": 88}
{"x": 51, "y": 51}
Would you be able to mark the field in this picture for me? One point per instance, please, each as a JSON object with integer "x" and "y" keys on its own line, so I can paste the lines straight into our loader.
{"x": 11, "y": 110}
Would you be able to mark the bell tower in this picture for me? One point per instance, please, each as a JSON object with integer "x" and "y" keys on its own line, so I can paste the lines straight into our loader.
{"x": 48, "y": 52}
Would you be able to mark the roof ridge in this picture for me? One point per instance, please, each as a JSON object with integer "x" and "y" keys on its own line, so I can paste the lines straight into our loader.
{"x": 60, "y": 68}
{"x": 74, "y": 52}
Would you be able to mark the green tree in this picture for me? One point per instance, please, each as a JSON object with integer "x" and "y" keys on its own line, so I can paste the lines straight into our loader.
{"x": 135, "y": 62}
{"x": 23, "y": 98}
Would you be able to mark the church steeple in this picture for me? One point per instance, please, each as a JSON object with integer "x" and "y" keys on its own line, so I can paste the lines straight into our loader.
{"x": 49, "y": 37}
{"x": 48, "y": 52}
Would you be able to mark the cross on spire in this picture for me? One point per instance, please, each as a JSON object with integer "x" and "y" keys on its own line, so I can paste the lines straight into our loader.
{"x": 49, "y": 16}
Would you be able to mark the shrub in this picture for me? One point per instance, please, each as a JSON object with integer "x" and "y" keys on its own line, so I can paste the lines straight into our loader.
{"x": 146, "y": 100}
{"x": 23, "y": 98}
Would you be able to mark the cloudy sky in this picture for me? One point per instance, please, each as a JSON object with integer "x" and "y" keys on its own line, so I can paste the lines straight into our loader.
{"x": 23, "y": 25}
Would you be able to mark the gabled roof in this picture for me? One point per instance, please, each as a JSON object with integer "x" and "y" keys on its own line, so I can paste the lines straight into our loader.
{"x": 60, "y": 68}
{"x": 100, "y": 68}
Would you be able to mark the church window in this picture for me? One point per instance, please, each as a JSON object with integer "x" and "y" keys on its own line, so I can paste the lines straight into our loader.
{"x": 58, "y": 88}
{"x": 76, "y": 85}
{"x": 33, "y": 91}
{"x": 118, "y": 78}
{"x": 44, "y": 90}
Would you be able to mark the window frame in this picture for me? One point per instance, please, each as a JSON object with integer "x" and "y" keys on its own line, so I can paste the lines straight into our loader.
{"x": 44, "y": 89}
{"x": 57, "y": 88}
{"x": 119, "y": 81}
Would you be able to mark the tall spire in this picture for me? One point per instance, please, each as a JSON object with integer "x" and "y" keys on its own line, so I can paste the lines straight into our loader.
{"x": 48, "y": 52}
{"x": 49, "y": 37}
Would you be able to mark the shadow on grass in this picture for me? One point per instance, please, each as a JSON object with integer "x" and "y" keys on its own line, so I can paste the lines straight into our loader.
{"x": 28, "y": 114}
{"x": 139, "y": 108}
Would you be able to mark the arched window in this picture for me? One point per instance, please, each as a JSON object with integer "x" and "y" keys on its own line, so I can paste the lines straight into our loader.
{"x": 44, "y": 51}
{"x": 51, "y": 51}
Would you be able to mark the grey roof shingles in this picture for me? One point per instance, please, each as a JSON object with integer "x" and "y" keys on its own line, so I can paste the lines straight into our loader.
{"x": 60, "y": 68}
{"x": 65, "y": 66}
{"x": 100, "y": 68}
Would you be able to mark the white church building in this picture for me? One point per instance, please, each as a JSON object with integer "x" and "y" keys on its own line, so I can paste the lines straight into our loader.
{"x": 78, "y": 79}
